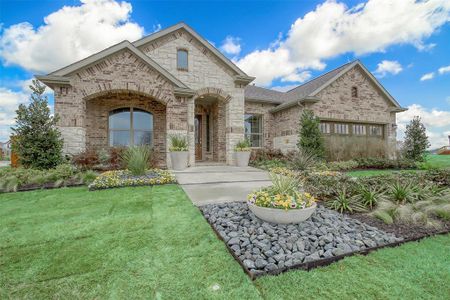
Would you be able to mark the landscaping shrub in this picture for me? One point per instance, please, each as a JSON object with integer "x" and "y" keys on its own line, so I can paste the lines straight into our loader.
{"x": 122, "y": 178}
{"x": 344, "y": 202}
{"x": 267, "y": 154}
{"x": 115, "y": 154}
{"x": 178, "y": 143}
{"x": 12, "y": 179}
{"x": 303, "y": 160}
{"x": 36, "y": 139}
{"x": 342, "y": 165}
{"x": 137, "y": 159}
{"x": 269, "y": 164}
{"x": 416, "y": 140}
{"x": 383, "y": 163}
{"x": 310, "y": 138}
{"x": 86, "y": 160}
{"x": 243, "y": 145}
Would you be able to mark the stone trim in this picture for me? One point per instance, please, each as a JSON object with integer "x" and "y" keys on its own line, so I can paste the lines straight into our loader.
{"x": 211, "y": 91}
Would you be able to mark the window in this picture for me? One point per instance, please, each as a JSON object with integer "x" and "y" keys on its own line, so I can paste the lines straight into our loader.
{"x": 376, "y": 130}
{"x": 130, "y": 126}
{"x": 359, "y": 129}
{"x": 354, "y": 92}
{"x": 253, "y": 129}
{"x": 341, "y": 128}
{"x": 325, "y": 128}
{"x": 182, "y": 59}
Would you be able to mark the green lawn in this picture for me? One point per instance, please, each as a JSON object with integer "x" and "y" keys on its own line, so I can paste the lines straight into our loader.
{"x": 153, "y": 243}
{"x": 434, "y": 161}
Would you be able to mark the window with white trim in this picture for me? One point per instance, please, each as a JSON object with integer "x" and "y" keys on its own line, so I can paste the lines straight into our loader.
{"x": 182, "y": 59}
{"x": 341, "y": 128}
{"x": 359, "y": 129}
{"x": 253, "y": 129}
{"x": 130, "y": 126}
{"x": 376, "y": 130}
{"x": 325, "y": 128}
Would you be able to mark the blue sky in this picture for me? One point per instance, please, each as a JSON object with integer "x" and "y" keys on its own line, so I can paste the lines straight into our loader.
{"x": 283, "y": 43}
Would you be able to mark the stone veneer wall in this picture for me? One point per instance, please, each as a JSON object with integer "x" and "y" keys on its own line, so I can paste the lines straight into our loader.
{"x": 258, "y": 108}
{"x": 336, "y": 103}
{"x": 208, "y": 76}
{"x": 97, "y": 135}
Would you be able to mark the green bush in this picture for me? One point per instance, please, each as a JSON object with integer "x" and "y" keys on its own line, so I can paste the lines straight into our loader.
{"x": 416, "y": 140}
{"x": 310, "y": 138}
{"x": 243, "y": 145}
{"x": 137, "y": 159}
{"x": 178, "y": 143}
{"x": 303, "y": 160}
{"x": 36, "y": 139}
{"x": 342, "y": 165}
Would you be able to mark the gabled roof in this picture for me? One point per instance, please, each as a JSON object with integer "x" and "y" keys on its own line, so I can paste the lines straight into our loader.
{"x": 242, "y": 76}
{"x": 308, "y": 91}
{"x": 61, "y": 73}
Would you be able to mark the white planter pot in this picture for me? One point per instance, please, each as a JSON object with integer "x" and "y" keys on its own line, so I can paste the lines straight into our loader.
{"x": 242, "y": 158}
{"x": 179, "y": 160}
{"x": 282, "y": 216}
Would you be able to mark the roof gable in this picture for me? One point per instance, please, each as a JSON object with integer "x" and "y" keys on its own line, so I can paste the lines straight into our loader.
{"x": 240, "y": 75}
{"x": 63, "y": 72}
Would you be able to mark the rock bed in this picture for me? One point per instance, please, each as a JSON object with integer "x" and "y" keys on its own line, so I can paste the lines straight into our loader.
{"x": 266, "y": 247}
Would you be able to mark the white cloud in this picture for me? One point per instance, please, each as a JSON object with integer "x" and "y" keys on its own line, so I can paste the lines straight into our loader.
{"x": 231, "y": 45}
{"x": 297, "y": 77}
{"x": 333, "y": 29}
{"x": 67, "y": 35}
{"x": 437, "y": 123}
{"x": 10, "y": 100}
{"x": 427, "y": 76}
{"x": 444, "y": 70}
{"x": 388, "y": 67}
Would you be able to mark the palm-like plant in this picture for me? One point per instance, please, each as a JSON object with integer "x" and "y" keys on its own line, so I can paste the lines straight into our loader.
{"x": 303, "y": 160}
{"x": 342, "y": 202}
{"x": 369, "y": 196}
{"x": 137, "y": 159}
{"x": 284, "y": 185}
{"x": 402, "y": 192}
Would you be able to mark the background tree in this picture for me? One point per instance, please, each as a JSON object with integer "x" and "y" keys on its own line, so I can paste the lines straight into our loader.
{"x": 35, "y": 138}
{"x": 310, "y": 138}
{"x": 416, "y": 140}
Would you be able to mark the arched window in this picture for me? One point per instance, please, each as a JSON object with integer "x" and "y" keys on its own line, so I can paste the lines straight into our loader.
{"x": 130, "y": 126}
{"x": 354, "y": 92}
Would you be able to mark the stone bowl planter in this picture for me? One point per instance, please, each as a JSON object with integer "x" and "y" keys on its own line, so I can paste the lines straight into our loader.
{"x": 242, "y": 158}
{"x": 179, "y": 160}
{"x": 281, "y": 216}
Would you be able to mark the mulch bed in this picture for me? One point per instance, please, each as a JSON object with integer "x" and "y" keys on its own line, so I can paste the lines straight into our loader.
{"x": 407, "y": 231}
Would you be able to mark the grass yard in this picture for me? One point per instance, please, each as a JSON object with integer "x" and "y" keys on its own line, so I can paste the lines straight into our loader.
{"x": 153, "y": 243}
{"x": 434, "y": 161}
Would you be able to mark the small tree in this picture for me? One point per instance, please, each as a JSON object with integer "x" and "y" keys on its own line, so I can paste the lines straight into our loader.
{"x": 35, "y": 137}
{"x": 416, "y": 140}
{"x": 310, "y": 138}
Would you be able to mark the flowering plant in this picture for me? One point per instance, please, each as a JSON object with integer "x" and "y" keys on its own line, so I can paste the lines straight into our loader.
{"x": 296, "y": 200}
{"x": 122, "y": 178}
{"x": 284, "y": 193}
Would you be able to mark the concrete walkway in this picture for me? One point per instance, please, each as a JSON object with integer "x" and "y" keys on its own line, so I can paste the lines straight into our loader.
{"x": 219, "y": 184}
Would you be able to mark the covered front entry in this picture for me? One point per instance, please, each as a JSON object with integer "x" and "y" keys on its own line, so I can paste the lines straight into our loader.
{"x": 210, "y": 129}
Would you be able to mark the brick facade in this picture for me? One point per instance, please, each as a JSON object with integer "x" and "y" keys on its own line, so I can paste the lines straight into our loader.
{"x": 126, "y": 78}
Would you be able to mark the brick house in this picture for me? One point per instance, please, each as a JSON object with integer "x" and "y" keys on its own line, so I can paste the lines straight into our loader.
{"x": 175, "y": 82}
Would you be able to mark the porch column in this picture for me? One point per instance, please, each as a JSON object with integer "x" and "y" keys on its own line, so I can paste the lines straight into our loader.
{"x": 177, "y": 123}
{"x": 191, "y": 130}
{"x": 234, "y": 124}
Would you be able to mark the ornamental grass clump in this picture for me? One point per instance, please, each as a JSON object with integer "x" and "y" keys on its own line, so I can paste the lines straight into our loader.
{"x": 178, "y": 143}
{"x": 285, "y": 193}
{"x": 243, "y": 145}
{"x": 137, "y": 159}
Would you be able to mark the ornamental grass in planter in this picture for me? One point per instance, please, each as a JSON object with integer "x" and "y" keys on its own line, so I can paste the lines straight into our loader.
{"x": 242, "y": 152}
{"x": 178, "y": 152}
{"x": 284, "y": 202}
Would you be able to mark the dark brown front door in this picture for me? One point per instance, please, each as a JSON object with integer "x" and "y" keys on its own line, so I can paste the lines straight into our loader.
{"x": 198, "y": 137}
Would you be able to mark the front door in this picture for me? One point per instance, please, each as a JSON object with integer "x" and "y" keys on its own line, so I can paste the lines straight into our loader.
{"x": 198, "y": 137}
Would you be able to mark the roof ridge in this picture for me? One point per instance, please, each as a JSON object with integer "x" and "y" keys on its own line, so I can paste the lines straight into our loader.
{"x": 321, "y": 75}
